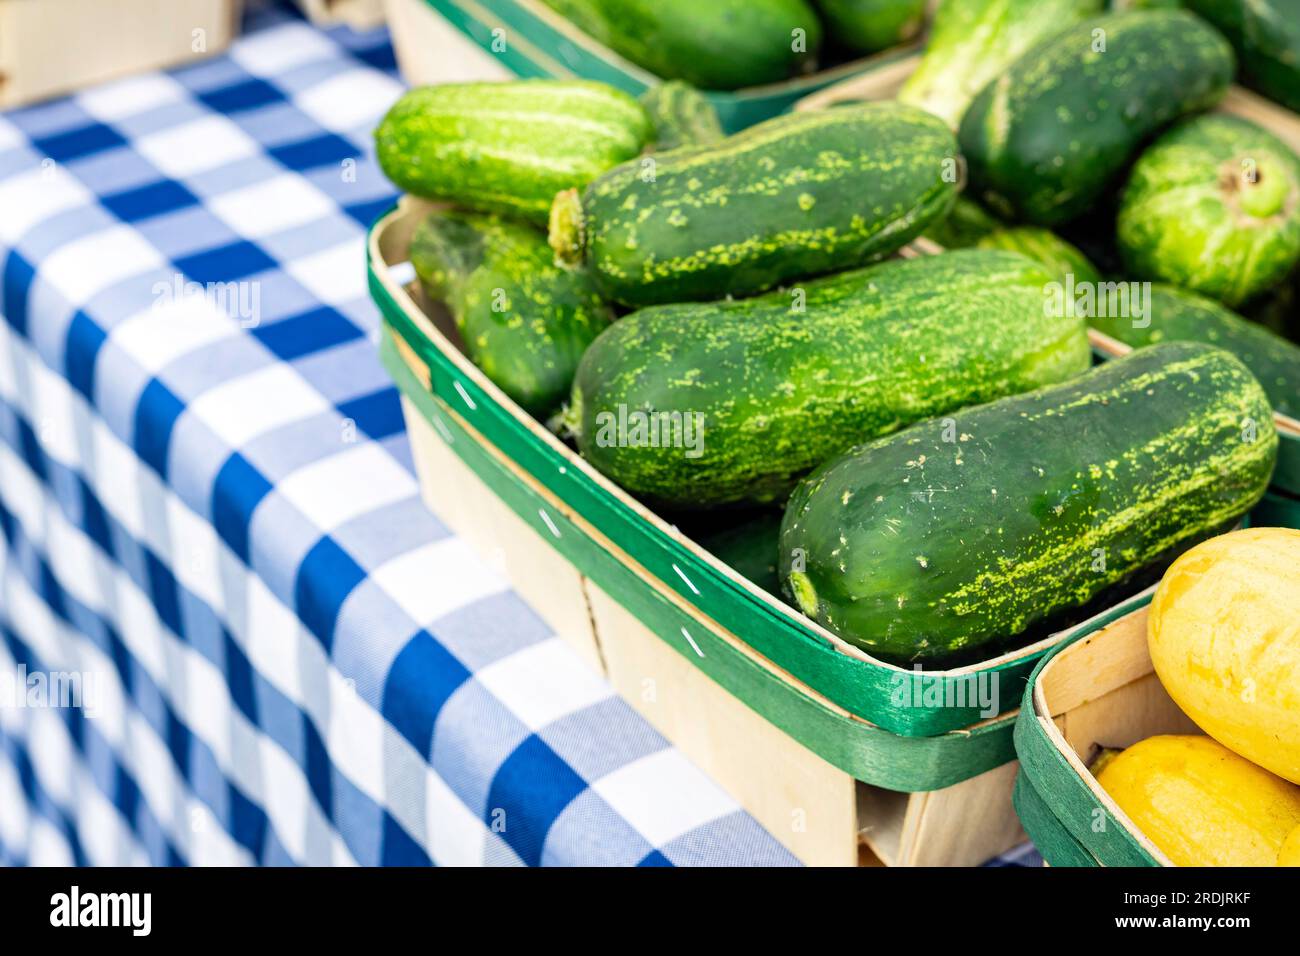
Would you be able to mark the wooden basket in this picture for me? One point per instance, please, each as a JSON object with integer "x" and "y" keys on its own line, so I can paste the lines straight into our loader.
{"x": 1100, "y": 691}
{"x": 527, "y": 38}
{"x": 1283, "y": 508}
{"x": 801, "y": 727}
{"x": 52, "y": 47}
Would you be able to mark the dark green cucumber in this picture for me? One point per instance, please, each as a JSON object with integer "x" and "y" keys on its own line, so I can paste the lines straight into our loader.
{"x": 965, "y": 532}
{"x": 508, "y": 147}
{"x": 1046, "y": 138}
{"x": 868, "y": 26}
{"x": 1266, "y": 35}
{"x": 523, "y": 320}
{"x": 682, "y": 116}
{"x": 750, "y": 548}
{"x": 796, "y": 196}
{"x": 750, "y": 394}
{"x": 974, "y": 41}
{"x": 1174, "y": 315}
{"x": 715, "y": 45}
{"x": 965, "y": 225}
{"x": 1213, "y": 206}
{"x": 1045, "y": 247}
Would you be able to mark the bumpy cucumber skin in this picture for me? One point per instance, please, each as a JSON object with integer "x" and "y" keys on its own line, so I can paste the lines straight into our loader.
{"x": 796, "y": 196}
{"x": 1045, "y": 247}
{"x": 973, "y": 41}
{"x": 1045, "y": 139}
{"x": 1180, "y": 316}
{"x": 917, "y": 548}
{"x": 682, "y": 116}
{"x": 716, "y": 45}
{"x": 1185, "y": 214}
{"x": 508, "y": 147}
{"x": 781, "y": 390}
{"x": 523, "y": 320}
{"x": 868, "y": 26}
{"x": 1266, "y": 35}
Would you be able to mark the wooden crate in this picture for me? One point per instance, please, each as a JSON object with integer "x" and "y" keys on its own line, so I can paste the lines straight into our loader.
{"x": 52, "y": 47}
{"x": 358, "y": 14}
{"x": 1099, "y": 692}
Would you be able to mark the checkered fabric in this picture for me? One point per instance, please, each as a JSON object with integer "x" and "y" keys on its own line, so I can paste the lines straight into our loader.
{"x": 208, "y": 516}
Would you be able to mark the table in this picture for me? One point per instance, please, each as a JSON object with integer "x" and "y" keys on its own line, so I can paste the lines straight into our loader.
{"x": 229, "y": 631}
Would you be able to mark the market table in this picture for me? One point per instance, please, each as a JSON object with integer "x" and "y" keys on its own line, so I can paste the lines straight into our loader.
{"x": 210, "y": 531}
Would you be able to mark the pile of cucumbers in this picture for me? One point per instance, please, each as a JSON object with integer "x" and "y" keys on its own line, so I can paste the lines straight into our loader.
{"x": 741, "y": 328}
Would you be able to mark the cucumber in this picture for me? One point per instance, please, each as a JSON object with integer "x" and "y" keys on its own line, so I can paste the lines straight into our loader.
{"x": 796, "y": 196}
{"x": 750, "y": 548}
{"x": 1045, "y": 247}
{"x": 1045, "y": 139}
{"x": 1175, "y": 315}
{"x": 961, "y": 533}
{"x": 868, "y": 26}
{"x": 1213, "y": 206}
{"x": 508, "y": 147}
{"x": 524, "y": 321}
{"x": 974, "y": 41}
{"x": 682, "y": 116}
{"x": 965, "y": 225}
{"x": 748, "y": 395}
{"x": 718, "y": 45}
{"x": 1266, "y": 36}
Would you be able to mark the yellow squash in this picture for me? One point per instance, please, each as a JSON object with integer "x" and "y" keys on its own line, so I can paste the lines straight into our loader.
{"x": 1290, "y": 853}
{"x": 1200, "y": 803}
{"x": 1224, "y": 635}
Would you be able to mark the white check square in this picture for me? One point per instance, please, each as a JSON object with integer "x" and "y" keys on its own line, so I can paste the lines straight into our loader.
{"x": 544, "y": 682}
{"x": 343, "y": 486}
{"x": 276, "y": 205}
{"x": 274, "y": 52}
{"x": 130, "y": 96}
{"x": 336, "y": 275}
{"x": 352, "y": 99}
{"x": 172, "y": 327}
{"x": 257, "y": 403}
{"x": 197, "y": 146}
{"x": 436, "y": 578}
{"x": 92, "y": 263}
{"x": 663, "y": 796}
{"x": 36, "y": 195}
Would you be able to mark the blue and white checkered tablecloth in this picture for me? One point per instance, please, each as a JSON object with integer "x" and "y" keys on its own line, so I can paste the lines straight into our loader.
{"x": 210, "y": 528}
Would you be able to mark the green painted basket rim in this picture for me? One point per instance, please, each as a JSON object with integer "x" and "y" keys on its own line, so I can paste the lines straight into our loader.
{"x": 864, "y": 751}
{"x": 841, "y": 672}
{"x": 540, "y": 42}
{"x": 1049, "y": 837}
{"x": 1061, "y": 780}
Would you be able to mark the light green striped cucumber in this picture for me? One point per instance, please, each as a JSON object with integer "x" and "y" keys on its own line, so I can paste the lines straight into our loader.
{"x": 974, "y": 41}
{"x": 1213, "y": 206}
{"x": 714, "y": 44}
{"x": 796, "y": 196}
{"x": 867, "y": 26}
{"x": 508, "y": 147}
{"x": 1175, "y": 315}
{"x": 522, "y": 319}
{"x": 1043, "y": 246}
{"x": 697, "y": 404}
{"x": 1046, "y": 139}
{"x": 682, "y": 116}
{"x": 957, "y": 535}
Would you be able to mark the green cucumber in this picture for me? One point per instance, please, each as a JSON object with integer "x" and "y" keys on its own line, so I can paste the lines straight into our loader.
{"x": 1213, "y": 206}
{"x": 974, "y": 41}
{"x": 1048, "y": 136}
{"x": 523, "y": 320}
{"x": 508, "y": 147}
{"x": 1043, "y": 246}
{"x": 964, "y": 226}
{"x": 682, "y": 116}
{"x": 1174, "y": 315}
{"x": 959, "y": 534}
{"x": 745, "y": 396}
{"x": 798, "y": 195}
{"x": 868, "y": 26}
{"x": 1266, "y": 35}
{"x": 716, "y": 45}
